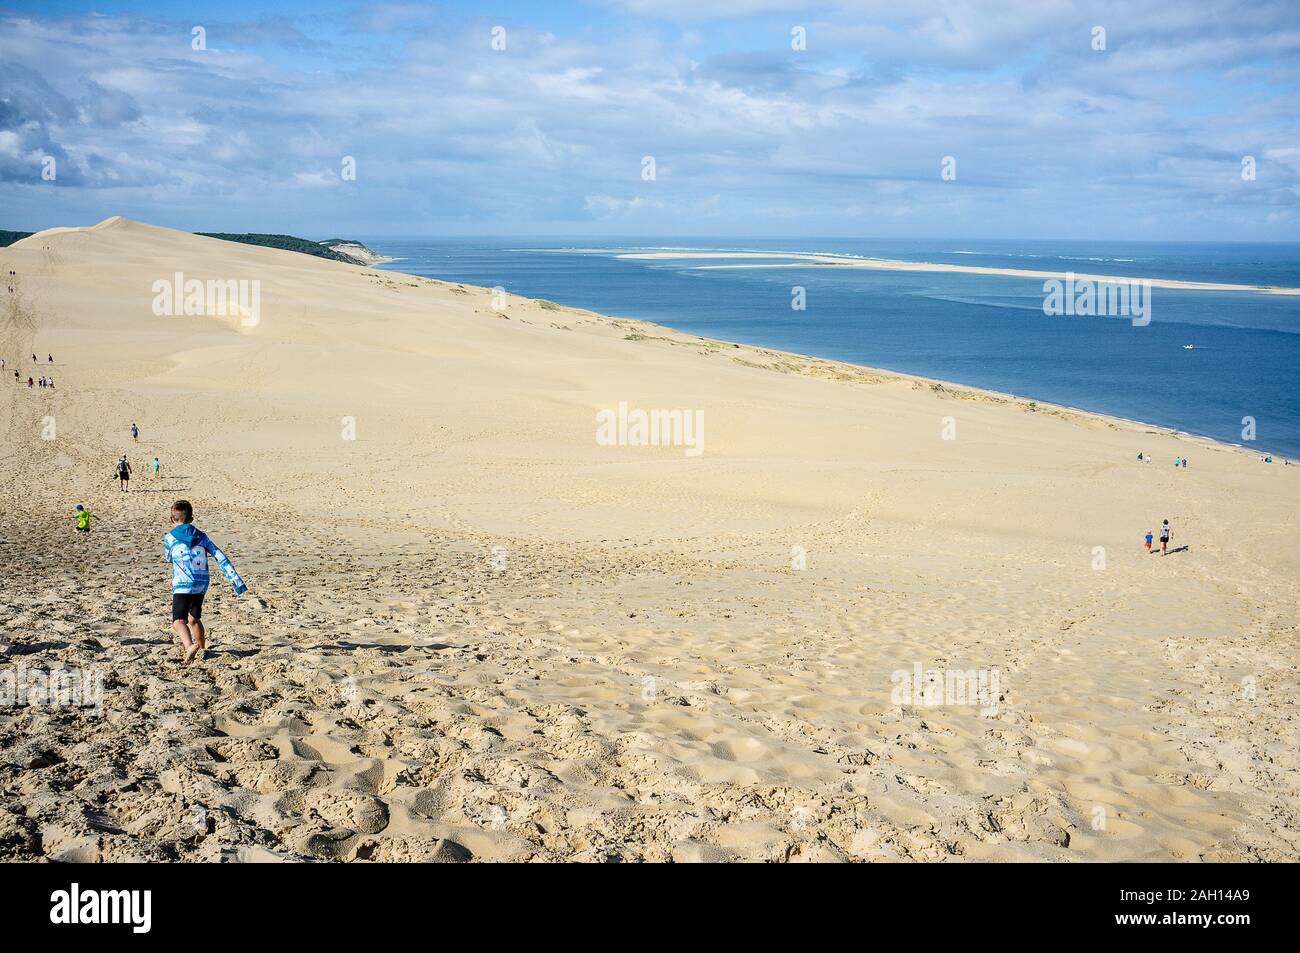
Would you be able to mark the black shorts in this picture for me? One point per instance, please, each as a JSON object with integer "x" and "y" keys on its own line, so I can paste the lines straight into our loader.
{"x": 187, "y": 604}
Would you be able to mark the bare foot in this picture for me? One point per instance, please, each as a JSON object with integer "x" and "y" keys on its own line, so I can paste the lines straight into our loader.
{"x": 192, "y": 651}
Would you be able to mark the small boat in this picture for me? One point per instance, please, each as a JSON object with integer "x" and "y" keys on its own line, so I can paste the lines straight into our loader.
{"x": 1189, "y": 347}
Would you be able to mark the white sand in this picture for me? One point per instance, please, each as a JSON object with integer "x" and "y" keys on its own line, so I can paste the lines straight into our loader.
{"x": 644, "y": 675}
{"x": 884, "y": 264}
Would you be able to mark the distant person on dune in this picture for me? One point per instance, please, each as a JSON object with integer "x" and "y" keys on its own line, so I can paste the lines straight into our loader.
{"x": 135, "y": 432}
{"x": 187, "y": 548}
{"x": 156, "y": 465}
{"x": 124, "y": 472}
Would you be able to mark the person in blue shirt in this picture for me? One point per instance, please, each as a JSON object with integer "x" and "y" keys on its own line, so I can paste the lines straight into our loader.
{"x": 188, "y": 548}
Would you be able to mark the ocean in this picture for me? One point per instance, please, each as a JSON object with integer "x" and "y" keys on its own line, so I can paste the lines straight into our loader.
{"x": 981, "y": 330}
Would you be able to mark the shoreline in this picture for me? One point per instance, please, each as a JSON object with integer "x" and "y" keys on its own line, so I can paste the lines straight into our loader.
{"x": 806, "y": 260}
{"x": 954, "y": 387}
{"x": 959, "y": 390}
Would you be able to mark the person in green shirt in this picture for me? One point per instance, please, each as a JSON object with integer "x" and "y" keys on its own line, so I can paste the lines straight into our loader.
{"x": 84, "y": 516}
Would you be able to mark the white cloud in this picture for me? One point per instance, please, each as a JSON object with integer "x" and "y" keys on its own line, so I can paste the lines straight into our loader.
{"x": 552, "y": 131}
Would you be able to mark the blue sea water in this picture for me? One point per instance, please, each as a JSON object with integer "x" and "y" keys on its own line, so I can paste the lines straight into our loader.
{"x": 980, "y": 330}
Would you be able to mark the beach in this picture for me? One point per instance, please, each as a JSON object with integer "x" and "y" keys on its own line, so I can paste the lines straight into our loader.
{"x": 478, "y": 630}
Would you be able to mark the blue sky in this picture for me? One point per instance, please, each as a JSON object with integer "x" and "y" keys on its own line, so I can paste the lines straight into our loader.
{"x": 750, "y": 137}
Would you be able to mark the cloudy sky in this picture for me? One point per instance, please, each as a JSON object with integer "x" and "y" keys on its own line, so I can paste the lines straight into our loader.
{"x": 749, "y": 136}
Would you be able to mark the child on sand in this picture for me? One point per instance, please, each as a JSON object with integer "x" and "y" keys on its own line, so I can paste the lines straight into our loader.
{"x": 187, "y": 548}
{"x": 84, "y": 516}
{"x": 1149, "y": 538}
{"x": 156, "y": 465}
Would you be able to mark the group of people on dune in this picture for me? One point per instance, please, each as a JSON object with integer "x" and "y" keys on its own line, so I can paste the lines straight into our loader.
{"x": 43, "y": 382}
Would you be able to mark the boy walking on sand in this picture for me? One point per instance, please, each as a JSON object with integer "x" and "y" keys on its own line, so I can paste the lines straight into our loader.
{"x": 187, "y": 548}
{"x": 1148, "y": 540}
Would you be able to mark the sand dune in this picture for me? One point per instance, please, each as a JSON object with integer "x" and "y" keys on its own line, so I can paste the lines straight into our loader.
{"x": 476, "y": 632}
